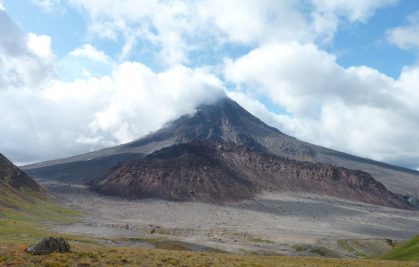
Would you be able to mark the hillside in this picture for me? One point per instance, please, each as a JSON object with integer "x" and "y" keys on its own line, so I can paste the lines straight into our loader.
{"x": 15, "y": 186}
{"x": 408, "y": 251}
{"x": 217, "y": 172}
{"x": 25, "y": 206}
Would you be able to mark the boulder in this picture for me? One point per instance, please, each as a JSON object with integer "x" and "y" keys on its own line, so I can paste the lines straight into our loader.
{"x": 49, "y": 245}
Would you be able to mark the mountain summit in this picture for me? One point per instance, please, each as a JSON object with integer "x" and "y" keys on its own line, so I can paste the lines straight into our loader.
{"x": 222, "y": 123}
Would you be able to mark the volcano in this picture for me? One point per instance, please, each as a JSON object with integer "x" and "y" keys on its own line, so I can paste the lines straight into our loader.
{"x": 147, "y": 164}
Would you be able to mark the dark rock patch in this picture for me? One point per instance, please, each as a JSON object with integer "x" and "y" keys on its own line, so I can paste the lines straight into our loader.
{"x": 49, "y": 245}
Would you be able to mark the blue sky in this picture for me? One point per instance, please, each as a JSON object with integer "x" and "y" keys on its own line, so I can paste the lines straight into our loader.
{"x": 360, "y": 43}
{"x": 365, "y": 43}
{"x": 90, "y": 74}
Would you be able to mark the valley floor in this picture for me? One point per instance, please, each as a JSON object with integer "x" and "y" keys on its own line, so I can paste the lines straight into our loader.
{"x": 286, "y": 224}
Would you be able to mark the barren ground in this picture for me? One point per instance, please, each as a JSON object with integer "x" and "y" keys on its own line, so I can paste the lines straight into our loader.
{"x": 285, "y": 223}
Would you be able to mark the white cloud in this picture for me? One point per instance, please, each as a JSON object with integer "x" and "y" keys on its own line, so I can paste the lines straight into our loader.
{"x": 406, "y": 36}
{"x": 73, "y": 117}
{"x": 251, "y": 22}
{"x": 355, "y": 10}
{"x": 357, "y": 110}
{"x": 40, "y": 45}
{"x": 160, "y": 24}
{"x": 84, "y": 62}
{"x": 102, "y": 101}
{"x": 141, "y": 100}
{"x": 276, "y": 70}
{"x": 87, "y": 50}
{"x": 45, "y": 117}
{"x": 328, "y": 15}
{"x": 24, "y": 60}
{"x": 175, "y": 29}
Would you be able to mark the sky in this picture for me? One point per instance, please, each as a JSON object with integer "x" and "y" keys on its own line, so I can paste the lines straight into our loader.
{"x": 80, "y": 75}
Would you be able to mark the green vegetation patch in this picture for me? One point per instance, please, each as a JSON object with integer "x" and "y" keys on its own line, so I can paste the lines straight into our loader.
{"x": 252, "y": 238}
{"x": 355, "y": 252}
{"x": 27, "y": 218}
{"x": 299, "y": 248}
{"x": 408, "y": 251}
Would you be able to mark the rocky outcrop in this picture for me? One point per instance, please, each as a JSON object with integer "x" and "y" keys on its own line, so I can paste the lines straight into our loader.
{"x": 219, "y": 172}
{"x": 49, "y": 245}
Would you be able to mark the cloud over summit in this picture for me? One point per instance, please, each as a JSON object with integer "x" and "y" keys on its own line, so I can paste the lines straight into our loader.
{"x": 144, "y": 63}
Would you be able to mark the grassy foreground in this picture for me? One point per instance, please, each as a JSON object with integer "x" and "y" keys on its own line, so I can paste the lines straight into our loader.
{"x": 86, "y": 254}
{"x": 408, "y": 251}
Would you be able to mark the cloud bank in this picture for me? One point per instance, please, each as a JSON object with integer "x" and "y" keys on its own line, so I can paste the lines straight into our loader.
{"x": 356, "y": 109}
{"x": 55, "y": 107}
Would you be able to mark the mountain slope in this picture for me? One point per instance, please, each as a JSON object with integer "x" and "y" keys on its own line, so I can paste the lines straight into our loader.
{"x": 26, "y": 209}
{"x": 12, "y": 176}
{"x": 217, "y": 172}
{"x": 191, "y": 171}
{"x": 223, "y": 121}
{"x": 16, "y": 186}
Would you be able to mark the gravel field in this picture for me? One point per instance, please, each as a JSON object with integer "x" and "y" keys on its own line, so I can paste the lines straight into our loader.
{"x": 272, "y": 223}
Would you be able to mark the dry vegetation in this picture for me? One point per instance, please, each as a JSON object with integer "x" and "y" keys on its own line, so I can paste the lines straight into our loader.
{"x": 86, "y": 254}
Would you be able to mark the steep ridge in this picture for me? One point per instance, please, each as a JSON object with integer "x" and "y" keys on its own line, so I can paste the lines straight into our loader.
{"x": 15, "y": 185}
{"x": 218, "y": 172}
{"x": 223, "y": 121}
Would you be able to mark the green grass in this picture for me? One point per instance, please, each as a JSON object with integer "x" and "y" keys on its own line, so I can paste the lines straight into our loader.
{"x": 408, "y": 251}
{"x": 299, "y": 248}
{"x": 252, "y": 238}
{"x": 345, "y": 245}
{"x": 24, "y": 215}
